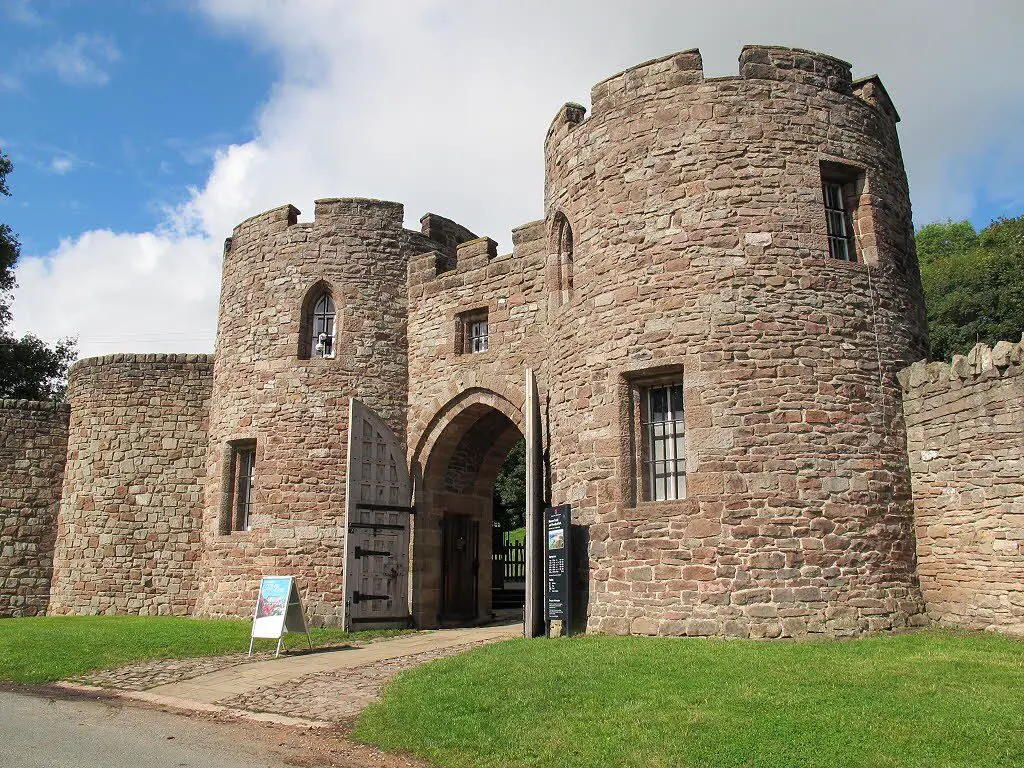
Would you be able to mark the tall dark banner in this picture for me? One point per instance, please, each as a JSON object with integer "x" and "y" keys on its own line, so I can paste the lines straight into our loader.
{"x": 557, "y": 529}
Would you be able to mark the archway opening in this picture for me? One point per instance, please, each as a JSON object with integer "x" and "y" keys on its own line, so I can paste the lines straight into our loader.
{"x": 456, "y": 576}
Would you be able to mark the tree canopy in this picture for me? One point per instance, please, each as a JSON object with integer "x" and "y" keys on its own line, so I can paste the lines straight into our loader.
{"x": 510, "y": 490}
{"x": 973, "y": 283}
{"x": 29, "y": 368}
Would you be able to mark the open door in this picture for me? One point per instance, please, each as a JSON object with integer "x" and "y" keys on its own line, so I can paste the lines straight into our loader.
{"x": 377, "y": 522}
{"x": 533, "y": 625}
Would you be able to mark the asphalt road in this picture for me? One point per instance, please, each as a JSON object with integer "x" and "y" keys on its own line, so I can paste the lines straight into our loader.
{"x": 44, "y": 732}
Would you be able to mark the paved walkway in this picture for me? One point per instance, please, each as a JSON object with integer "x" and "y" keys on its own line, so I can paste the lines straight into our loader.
{"x": 325, "y": 685}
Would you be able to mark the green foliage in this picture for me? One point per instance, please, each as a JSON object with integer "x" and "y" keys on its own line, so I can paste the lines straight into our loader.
{"x": 44, "y": 649}
{"x": 510, "y": 490}
{"x": 922, "y": 699}
{"x": 973, "y": 284}
{"x": 29, "y": 369}
{"x": 938, "y": 240}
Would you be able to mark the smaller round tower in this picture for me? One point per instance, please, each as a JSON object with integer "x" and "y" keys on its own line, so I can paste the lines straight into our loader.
{"x": 311, "y": 315}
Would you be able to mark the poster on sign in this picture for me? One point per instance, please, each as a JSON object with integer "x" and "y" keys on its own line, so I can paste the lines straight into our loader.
{"x": 278, "y": 610}
{"x": 557, "y": 567}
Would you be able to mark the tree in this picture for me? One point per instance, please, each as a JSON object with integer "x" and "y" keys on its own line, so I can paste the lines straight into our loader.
{"x": 29, "y": 369}
{"x": 510, "y": 490}
{"x": 939, "y": 240}
{"x": 973, "y": 284}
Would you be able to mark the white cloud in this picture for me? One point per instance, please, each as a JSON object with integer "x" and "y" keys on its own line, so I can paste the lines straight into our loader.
{"x": 444, "y": 106}
{"x": 62, "y": 164}
{"x": 82, "y": 61}
{"x": 122, "y": 293}
{"x": 21, "y": 11}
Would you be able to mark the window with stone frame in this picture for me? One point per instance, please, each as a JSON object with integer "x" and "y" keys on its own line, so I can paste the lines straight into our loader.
{"x": 842, "y": 189}
{"x": 472, "y": 332}
{"x": 662, "y": 450}
{"x": 237, "y": 498}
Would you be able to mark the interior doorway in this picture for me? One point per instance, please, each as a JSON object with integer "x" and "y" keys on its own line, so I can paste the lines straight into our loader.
{"x": 460, "y": 568}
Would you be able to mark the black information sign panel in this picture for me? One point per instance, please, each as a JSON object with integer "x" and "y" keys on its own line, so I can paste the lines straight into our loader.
{"x": 557, "y": 529}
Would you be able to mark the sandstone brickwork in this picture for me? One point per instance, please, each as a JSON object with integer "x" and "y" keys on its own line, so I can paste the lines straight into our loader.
{"x": 965, "y": 427}
{"x": 700, "y": 257}
{"x": 33, "y": 447}
{"x": 128, "y": 533}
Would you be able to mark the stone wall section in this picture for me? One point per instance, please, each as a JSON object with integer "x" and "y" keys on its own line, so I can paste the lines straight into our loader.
{"x": 965, "y": 426}
{"x": 33, "y": 447}
{"x": 700, "y": 257}
{"x": 128, "y": 532}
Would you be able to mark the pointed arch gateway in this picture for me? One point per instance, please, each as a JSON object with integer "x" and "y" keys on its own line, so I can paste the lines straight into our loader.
{"x": 455, "y": 463}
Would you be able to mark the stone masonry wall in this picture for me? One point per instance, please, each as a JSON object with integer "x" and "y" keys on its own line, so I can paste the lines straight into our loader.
{"x": 33, "y": 447}
{"x": 700, "y": 257}
{"x": 128, "y": 533}
{"x": 965, "y": 426}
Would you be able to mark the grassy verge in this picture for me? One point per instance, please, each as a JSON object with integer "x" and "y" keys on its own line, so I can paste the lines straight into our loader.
{"x": 927, "y": 699}
{"x": 41, "y": 650}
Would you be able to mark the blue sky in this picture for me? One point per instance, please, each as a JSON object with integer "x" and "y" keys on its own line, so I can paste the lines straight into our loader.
{"x": 113, "y": 109}
{"x": 141, "y": 132}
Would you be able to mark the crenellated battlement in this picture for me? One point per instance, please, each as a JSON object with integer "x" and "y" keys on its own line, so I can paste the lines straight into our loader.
{"x": 350, "y": 212}
{"x": 476, "y": 261}
{"x": 1003, "y": 359}
{"x": 819, "y": 70}
{"x": 358, "y": 212}
{"x": 685, "y": 70}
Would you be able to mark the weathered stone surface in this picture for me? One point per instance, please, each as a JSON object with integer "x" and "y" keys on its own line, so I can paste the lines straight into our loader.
{"x": 701, "y": 255}
{"x": 128, "y": 533}
{"x": 296, "y": 409}
{"x": 966, "y": 449}
{"x": 33, "y": 447}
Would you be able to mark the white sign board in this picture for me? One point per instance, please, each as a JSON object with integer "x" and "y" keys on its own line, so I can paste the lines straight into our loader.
{"x": 278, "y": 610}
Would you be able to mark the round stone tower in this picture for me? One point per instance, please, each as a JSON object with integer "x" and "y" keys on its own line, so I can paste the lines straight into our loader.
{"x": 690, "y": 257}
{"x": 282, "y": 384}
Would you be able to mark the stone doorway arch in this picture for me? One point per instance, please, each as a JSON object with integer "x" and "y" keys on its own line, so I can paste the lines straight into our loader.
{"x": 454, "y": 466}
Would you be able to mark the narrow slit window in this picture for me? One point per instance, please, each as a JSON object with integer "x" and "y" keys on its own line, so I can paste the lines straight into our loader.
{"x": 245, "y": 478}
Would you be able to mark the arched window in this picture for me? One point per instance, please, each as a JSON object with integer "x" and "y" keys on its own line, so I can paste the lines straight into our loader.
{"x": 317, "y": 326}
{"x": 562, "y": 245}
{"x": 565, "y": 256}
{"x": 322, "y": 340}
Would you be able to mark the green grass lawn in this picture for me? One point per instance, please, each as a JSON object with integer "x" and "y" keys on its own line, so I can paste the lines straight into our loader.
{"x": 41, "y": 650}
{"x": 936, "y": 699}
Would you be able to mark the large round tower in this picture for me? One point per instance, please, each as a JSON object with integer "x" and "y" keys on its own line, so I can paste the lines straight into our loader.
{"x": 733, "y": 288}
{"x": 311, "y": 315}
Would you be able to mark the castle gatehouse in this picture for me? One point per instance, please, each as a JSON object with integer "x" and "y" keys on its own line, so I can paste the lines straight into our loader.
{"x": 699, "y": 343}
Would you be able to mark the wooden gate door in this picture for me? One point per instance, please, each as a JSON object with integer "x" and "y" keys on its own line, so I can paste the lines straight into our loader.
{"x": 460, "y": 563}
{"x": 377, "y": 523}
